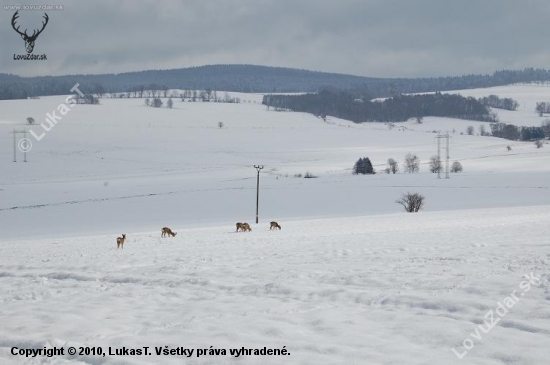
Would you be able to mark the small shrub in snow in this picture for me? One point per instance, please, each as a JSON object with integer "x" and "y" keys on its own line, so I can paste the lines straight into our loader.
{"x": 412, "y": 203}
{"x": 456, "y": 167}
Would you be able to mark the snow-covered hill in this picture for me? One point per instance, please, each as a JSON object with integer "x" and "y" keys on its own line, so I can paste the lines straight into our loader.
{"x": 124, "y": 166}
{"x": 350, "y": 278}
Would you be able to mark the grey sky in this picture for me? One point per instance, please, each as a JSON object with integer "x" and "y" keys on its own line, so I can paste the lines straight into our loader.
{"x": 378, "y": 38}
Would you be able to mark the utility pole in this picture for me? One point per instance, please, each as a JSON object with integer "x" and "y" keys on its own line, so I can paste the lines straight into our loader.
{"x": 258, "y": 168}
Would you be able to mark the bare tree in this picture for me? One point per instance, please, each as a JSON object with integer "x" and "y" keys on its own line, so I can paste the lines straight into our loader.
{"x": 470, "y": 130}
{"x": 147, "y": 102}
{"x": 539, "y": 143}
{"x": 508, "y": 148}
{"x": 412, "y": 203}
{"x": 412, "y": 163}
{"x": 435, "y": 164}
{"x": 392, "y": 165}
{"x": 220, "y": 124}
{"x": 169, "y": 103}
{"x": 456, "y": 167}
{"x": 482, "y": 130}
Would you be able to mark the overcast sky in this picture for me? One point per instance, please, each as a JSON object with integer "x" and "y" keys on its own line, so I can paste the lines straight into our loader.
{"x": 378, "y": 38}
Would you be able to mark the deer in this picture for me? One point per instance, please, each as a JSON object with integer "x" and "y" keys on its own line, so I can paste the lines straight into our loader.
{"x": 274, "y": 225}
{"x": 120, "y": 241}
{"x": 167, "y": 231}
{"x": 29, "y": 40}
{"x": 243, "y": 227}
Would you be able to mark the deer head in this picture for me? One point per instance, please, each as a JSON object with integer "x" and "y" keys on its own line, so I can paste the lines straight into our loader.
{"x": 29, "y": 40}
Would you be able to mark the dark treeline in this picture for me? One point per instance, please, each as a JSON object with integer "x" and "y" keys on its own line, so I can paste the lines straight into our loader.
{"x": 345, "y": 105}
{"x": 515, "y": 133}
{"x": 251, "y": 78}
{"x": 494, "y": 101}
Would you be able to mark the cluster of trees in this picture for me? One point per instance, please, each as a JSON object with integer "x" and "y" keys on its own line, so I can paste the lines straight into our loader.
{"x": 542, "y": 107}
{"x": 153, "y": 91}
{"x": 208, "y": 95}
{"x": 157, "y": 103}
{"x": 411, "y": 165}
{"x": 515, "y": 133}
{"x": 347, "y": 105}
{"x": 86, "y": 99}
{"x": 251, "y": 78}
{"x": 363, "y": 166}
{"x": 494, "y": 101}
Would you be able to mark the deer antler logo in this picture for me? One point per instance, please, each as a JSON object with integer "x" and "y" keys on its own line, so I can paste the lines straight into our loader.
{"x": 29, "y": 40}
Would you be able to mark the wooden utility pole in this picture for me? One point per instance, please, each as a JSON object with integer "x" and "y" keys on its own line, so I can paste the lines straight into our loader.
{"x": 258, "y": 169}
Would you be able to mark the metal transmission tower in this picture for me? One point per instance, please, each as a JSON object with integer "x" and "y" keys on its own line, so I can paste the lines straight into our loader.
{"x": 447, "y": 162}
{"x": 258, "y": 168}
{"x": 439, "y": 137}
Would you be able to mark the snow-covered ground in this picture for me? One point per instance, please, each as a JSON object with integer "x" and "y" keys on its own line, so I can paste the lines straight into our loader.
{"x": 386, "y": 289}
{"x": 350, "y": 278}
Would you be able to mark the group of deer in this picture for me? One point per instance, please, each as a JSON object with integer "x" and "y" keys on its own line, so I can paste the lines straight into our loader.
{"x": 243, "y": 227}
{"x": 165, "y": 231}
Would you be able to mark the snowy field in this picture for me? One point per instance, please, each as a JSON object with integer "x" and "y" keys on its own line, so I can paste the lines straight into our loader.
{"x": 386, "y": 289}
{"x": 350, "y": 279}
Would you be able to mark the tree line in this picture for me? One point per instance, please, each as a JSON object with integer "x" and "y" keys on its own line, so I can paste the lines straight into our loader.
{"x": 346, "y": 105}
{"x": 515, "y": 133}
{"x": 494, "y": 101}
{"x": 252, "y": 78}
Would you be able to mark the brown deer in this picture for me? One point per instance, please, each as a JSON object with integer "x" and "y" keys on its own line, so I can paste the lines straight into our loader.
{"x": 120, "y": 241}
{"x": 243, "y": 227}
{"x": 274, "y": 225}
{"x": 29, "y": 40}
{"x": 167, "y": 231}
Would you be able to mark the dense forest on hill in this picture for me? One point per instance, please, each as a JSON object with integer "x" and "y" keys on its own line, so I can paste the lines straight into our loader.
{"x": 251, "y": 78}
